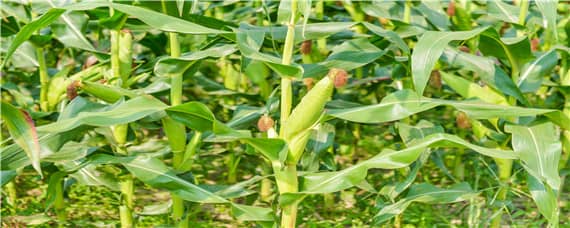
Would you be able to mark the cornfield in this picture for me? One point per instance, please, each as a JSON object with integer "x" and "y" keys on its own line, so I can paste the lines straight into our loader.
{"x": 293, "y": 113}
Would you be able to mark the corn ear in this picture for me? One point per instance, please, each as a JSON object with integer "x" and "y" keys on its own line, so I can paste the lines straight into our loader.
{"x": 57, "y": 87}
{"x": 308, "y": 111}
{"x": 104, "y": 92}
{"x": 297, "y": 146}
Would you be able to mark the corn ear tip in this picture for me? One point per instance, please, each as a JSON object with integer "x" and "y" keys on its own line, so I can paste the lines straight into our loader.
{"x": 451, "y": 9}
{"x": 265, "y": 123}
{"x": 462, "y": 120}
{"x": 339, "y": 77}
{"x": 71, "y": 91}
{"x": 309, "y": 82}
{"x": 306, "y": 47}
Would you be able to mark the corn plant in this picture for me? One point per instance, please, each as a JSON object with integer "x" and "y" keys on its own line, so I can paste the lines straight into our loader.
{"x": 280, "y": 113}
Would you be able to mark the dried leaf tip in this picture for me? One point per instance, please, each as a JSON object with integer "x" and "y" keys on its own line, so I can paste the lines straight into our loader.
{"x": 339, "y": 76}
{"x": 265, "y": 123}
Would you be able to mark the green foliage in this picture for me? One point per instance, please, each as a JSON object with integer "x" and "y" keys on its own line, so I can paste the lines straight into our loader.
{"x": 151, "y": 110}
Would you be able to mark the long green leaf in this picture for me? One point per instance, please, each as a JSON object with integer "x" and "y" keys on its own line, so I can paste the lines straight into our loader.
{"x": 326, "y": 182}
{"x": 539, "y": 148}
{"x": 312, "y": 30}
{"x": 503, "y": 11}
{"x": 546, "y": 200}
{"x": 427, "y": 193}
{"x": 197, "y": 116}
{"x": 405, "y": 103}
{"x": 70, "y": 32}
{"x": 348, "y": 56}
{"x": 28, "y": 30}
{"x": 120, "y": 113}
{"x": 409, "y": 135}
{"x": 427, "y": 51}
{"x": 515, "y": 50}
{"x": 532, "y": 73}
{"x": 23, "y": 131}
{"x": 468, "y": 89}
{"x": 548, "y": 9}
{"x": 484, "y": 67}
{"x": 170, "y": 66}
{"x": 389, "y": 35}
{"x": 154, "y": 19}
{"x": 249, "y": 43}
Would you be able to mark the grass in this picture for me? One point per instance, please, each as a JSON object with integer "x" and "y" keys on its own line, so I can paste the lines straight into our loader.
{"x": 96, "y": 206}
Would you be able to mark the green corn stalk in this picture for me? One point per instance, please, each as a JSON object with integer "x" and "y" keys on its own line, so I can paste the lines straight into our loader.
{"x": 59, "y": 204}
{"x": 505, "y": 168}
{"x": 286, "y": 176}
{"x": 44, "y": 79}
{"x": 565, "y": 81}
{"x": 408, "y": 11}
{"x": 176, "y": 132}
{"x": 296, "y": 132}
{"x": 121, "y": 61}
{"x": 522, "y": 15}
{"x": 265, "y": 186}
{"x": 356, "y": 13}
{"x": 321, "y": 42}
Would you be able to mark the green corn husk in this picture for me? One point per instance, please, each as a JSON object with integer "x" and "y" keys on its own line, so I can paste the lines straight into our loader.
{"x": 308, "y": 111}
{"x": 297, "y": 146}
{"x": 104, "y": 92}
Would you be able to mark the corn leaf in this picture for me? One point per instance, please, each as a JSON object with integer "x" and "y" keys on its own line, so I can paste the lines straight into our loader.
{"x": 539, "y": 148}
{"x": 197, "y": 116}
{"x": 312, "y": 30}
{"x": 326, "y": 182}
{"x": 503, "y": 11}
{"x": 545, "y": 198}
{"x": 249, "y": 43}
{"x": 23, "y": 131}
{"x": 468, "y": 89}
{"x": 28, "y": 30}
{"x": 170, "y": 66}
{"x": 152, "y": 18}
{"x": 405, "y": 103}
{"x": 484, "y": 68}
{"x": 155, "y": 173}
{"x": 428, "y": 50}
{"x": 427, "y": 193}
{"x": 119, "y": 113}
{"x": 548, "y": 10}
{"x": 532, "y": 73}
{"x": 515, "y": 50}
{"x": 348, "y": 56}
